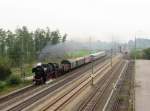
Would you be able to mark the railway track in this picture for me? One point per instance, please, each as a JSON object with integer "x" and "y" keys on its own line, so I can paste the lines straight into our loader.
{"x": 101, "y": 93}
{"x": 10, "y": 101}
{"x": 56, "y": 103}
{"x": 98, "y": 100}
{"x": 35, "y": 97}
{"x": 14, "y": 93}
{"x": 124, "y": 89}
{"x": 31, "y": 87}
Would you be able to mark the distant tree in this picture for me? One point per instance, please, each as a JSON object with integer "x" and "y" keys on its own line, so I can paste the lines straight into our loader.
{"x": 40, "y": 39}
{"x": 146, "y": 53}
{"x": 25, "y": 43}
{"x": 2, "y": 42}
{"x": 10, "y": 41}
{"x": 64, "y": 38}
{"x": 23, "y": 46}
{"x": 15, "y": 55}
{"x": 55, "y": 35}
{"x": 48, "y": 35}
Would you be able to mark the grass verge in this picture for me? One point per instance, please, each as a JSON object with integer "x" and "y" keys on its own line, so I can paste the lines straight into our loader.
{"x": 7, "y": 88}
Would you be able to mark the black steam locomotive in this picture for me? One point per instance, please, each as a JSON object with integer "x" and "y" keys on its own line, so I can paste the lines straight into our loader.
{"x": 44, "y": 72}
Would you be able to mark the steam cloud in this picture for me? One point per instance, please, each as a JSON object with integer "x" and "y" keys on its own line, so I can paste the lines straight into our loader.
{"x": 58, "y": 51}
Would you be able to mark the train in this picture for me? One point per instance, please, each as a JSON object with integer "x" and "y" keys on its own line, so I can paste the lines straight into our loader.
{"x": 44, "y": 72}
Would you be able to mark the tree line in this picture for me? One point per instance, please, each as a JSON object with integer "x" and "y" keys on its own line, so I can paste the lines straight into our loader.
{"x": 141, "y": 53}
{"x": 24, "y": 46}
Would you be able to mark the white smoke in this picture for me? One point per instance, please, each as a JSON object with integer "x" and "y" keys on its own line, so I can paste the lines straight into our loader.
{"x": 53, "y": 52}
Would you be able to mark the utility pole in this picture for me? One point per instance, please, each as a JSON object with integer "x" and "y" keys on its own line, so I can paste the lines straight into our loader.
{"x": 22, "y": 60}
{"x": 111, "y": 51}
{"x": 111, "y": 57}
{"x": 90, "y": 40}
{"x": 92, "y": 75}
{"x": 135, "y": 50}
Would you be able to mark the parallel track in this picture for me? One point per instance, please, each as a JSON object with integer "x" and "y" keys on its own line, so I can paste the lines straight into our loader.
{"x": 59, "y": 102}
{"x": 102, "y": 92}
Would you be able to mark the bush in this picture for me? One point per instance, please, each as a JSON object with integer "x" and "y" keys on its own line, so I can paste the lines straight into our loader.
{"x": 141, "y": 54}
{"x": 2, "y": 85}
{"x": 14, "y": 80}
{"x": 137, "y": 53}
{"x": 5, "y": 71}
{"x": 146, "y": 53}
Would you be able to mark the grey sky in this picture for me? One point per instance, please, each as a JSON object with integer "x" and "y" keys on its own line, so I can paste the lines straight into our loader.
{"x": 100, "y": 19}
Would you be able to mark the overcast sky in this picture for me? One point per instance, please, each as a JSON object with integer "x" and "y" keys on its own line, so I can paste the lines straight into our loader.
{"x": 100, "y": 19}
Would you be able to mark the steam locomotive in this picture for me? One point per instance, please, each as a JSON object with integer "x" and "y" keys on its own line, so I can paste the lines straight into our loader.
{"x": 44, "y": 72}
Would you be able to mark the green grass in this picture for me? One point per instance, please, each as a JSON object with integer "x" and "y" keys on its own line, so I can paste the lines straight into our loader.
{"x": 79, "y": 53}
{"x": 27, "y": 69}
{"x": 9, "y": 88}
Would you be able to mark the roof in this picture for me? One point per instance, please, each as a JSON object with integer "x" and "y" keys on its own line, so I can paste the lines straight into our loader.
{"x": 95, "y": 54}
{"x": 72, "y": 60}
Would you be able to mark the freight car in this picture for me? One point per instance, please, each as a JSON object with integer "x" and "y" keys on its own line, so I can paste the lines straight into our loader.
{"x": 44, "y": 72}
{"x": 70, "y": 64}
{"x": 74, "y": 63}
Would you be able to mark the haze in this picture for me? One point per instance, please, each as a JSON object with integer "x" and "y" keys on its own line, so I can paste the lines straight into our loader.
{"x": 99, "y": 19}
